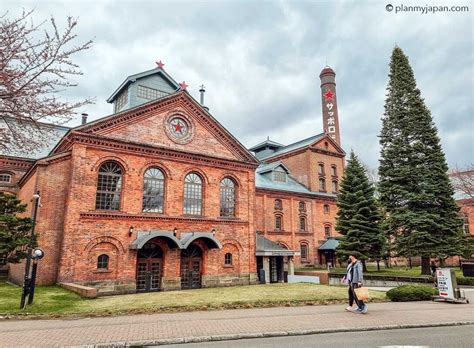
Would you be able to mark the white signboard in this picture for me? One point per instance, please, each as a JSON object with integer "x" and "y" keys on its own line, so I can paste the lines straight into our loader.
{"x": 445, "y": 282}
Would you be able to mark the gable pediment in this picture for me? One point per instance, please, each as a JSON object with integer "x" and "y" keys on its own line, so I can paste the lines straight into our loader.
{"x": 176, "y": 122}
{"x": 326, "y": 143}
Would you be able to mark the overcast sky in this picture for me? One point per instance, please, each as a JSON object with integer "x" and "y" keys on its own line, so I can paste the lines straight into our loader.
{"x": 260, "y": 62}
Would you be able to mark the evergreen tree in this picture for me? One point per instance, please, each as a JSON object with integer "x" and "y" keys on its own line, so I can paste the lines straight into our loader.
{"x": 14, "y": 230}
{"x": 414, "y": 187}
{"x": 358, "y": 217}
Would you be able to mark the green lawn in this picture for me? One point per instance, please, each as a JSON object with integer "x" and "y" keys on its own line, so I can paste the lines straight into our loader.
{"x": 55, "y": 301}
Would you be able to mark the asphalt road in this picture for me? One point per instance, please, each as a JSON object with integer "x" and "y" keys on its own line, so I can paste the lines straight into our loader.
{"x": 449, "y": 336}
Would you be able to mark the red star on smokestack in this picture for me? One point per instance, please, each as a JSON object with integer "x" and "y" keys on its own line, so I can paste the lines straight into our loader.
{"x": 328, "y": 95}
{"x": 183, "y": 85}
{"x": 160, "y": 64}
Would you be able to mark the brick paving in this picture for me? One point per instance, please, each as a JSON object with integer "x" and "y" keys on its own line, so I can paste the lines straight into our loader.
{"x": 195, "y": 325}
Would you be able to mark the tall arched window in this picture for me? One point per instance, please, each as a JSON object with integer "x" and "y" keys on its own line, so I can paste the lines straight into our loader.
{"x": 103, "y": 262}
{"x": 227, "y": 197}
{"x": 302, "y": 206}
{"x": 153, "y": 190}
{"x": 278, "y": 204}
{"x": 321, "y": 168}
{"x": 228, "y": 259}
{"x": 278, "y": 223}
{"x": 193, "y": 194}
{"x": 334, "y": 186}
{"x": 109, "y": 186}
{"x": 302, "y": 223}
{"x": 304, "y": 251}
{"x": 322, "y": 184}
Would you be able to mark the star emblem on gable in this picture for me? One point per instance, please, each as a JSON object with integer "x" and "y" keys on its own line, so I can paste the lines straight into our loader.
{"x": 178, "y": 127}
{"x": 160, "y": 64}
{"x": 183, "y": 85}
{"x": 328, "y": 95}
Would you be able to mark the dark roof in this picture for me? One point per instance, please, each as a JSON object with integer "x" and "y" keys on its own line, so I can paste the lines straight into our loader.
{"x": 266, "y": 247}
{"x": 294, "y": 146}
{"x": 290, "y": 185}
{"x": 266, "y": 143}
{"x": 265, "y": 168}
{"x": 133, "y": 78}
{"x": 330, "y": 244}
{"x": 45, "y": 134}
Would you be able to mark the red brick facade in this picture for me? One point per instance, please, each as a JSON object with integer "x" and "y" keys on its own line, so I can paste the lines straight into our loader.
{"x": 88, "y": 245}
{"x": 73, "y": 233}
{"x": 319, "y": 212}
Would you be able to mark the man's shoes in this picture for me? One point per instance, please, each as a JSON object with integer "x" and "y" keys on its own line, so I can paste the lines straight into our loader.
{"x": 349, "y": 309}
{"x": 365, "y": 309}
{"x": 358, "y": 310}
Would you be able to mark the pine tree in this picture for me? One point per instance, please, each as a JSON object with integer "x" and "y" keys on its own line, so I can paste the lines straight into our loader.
{"x": 358, "y": 217}
{"x": 414, "y": 187}
{"x": 14, "y": 230}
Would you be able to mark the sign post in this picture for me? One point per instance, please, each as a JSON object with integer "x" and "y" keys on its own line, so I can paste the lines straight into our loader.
{"x": 447, "y": 286}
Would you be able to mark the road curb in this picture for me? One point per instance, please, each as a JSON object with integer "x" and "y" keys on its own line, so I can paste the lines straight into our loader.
{"x": 229, "y": 337}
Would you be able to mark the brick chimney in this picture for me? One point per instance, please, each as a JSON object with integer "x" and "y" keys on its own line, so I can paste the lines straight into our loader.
{"x": 329, "y": 103}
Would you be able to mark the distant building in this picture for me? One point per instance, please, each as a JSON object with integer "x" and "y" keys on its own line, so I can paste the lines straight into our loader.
{"x": 160, "y": 196}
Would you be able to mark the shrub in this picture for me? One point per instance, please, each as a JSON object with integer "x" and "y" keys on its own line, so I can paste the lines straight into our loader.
{"x": 411, "y": 292}
{"x": 465, "y": 280}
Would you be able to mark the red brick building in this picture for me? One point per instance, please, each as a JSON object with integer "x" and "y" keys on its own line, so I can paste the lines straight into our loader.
{"x": 160, "y": 196}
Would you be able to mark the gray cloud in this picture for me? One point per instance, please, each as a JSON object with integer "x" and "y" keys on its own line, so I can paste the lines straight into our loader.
{"x": 260, "y": 62}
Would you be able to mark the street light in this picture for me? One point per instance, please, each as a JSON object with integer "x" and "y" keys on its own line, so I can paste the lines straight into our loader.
{"x": 28, "y": 283}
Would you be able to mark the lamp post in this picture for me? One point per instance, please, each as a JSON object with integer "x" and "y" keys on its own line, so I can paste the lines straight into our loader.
{"x": 27, "y": 282}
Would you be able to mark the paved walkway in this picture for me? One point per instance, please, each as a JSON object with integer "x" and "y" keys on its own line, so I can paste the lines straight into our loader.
{"x": 215, "y": 325}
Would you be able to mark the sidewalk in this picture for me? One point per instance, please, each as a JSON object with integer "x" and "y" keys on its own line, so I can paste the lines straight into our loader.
{"x": 230, "y": 324}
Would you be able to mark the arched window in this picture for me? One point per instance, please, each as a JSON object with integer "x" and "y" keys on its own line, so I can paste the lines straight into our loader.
{"x": 326, "y": 209}
{"x": 333, "y": 170}
{"x": 278, "y": 204}
{"x": 321, "y": 168}
{"x": 327, "y": 231}
{"x": 322, "y": 184}
{"x": 103, "y": 262}
{"x": 304, "y": 251}
{"x": 109, "y": 186}
{"x": 278, "y": 223}
{"x": 334, "y": 186}
{"x": 5, "y": 178}
{"x": 302, "y": 223}
{"x": 192, "y": 194}
{"x": 302, "y": 206}
{"x": 227, "y": 197}
{"x": 228, "y": 259}
{"x": 465, "y": 226}
{"x": 153, "y": 190}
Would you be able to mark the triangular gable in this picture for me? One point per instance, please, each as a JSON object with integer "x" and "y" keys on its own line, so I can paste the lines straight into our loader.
{"x": 265, "y": 168}
{"x": 145, "y": 124}
{"x": 332, "y": 145}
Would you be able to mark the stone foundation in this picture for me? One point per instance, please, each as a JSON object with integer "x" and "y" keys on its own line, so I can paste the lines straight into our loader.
{"x": 211, "y": 281}
{"x": 170, "y": 283}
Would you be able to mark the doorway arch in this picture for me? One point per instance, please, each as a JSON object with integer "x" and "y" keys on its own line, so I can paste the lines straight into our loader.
{"x": 191, "y": 267}
{"x": 149, "y": 267}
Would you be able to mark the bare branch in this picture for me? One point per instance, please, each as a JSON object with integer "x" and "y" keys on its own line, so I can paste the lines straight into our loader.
{"x": 35, "y": 66}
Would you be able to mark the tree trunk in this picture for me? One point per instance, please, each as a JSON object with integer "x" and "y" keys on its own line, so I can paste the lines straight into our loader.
{"x": 425, "y": 265}
{"x": 378, "y": 265}
{"x": 409, "y": 263}
{"x": 364, "y": 267}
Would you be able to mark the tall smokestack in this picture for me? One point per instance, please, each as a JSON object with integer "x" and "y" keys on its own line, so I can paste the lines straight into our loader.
{"x": 84, "y": 118}
{"x": 329, "y": 103}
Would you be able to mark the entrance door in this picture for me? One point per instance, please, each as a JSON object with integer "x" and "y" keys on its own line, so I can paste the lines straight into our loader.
{"x": 149, "y": 267}
{"x": 191, "y": 267}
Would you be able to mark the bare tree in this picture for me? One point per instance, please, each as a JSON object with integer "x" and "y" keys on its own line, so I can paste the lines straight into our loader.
{"x": 35, "y": 66}
{"x": 463, "y": 181}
